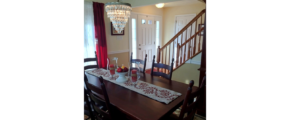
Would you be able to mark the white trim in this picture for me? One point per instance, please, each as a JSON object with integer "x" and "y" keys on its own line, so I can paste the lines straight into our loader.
{"x": 193, "y": 62}
{"x": 119, "y": 51}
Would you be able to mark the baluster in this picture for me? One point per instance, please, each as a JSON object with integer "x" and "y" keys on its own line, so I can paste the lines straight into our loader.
{"x": 184, "y": 53}
{"x": 188, "y": 53}
{"x": 173, "y": 50}
{"x": 180, "y": 55}
{"x": 177, "y": 54}
{"x": 185, "y": 40}
{"x": 181, "y": 41}
{"x": 191, "y": 39}
{"x": 158, "y": 57}
{"x": 169, "y": 55}
{"x": 164, "y": 70}
{"x": 200, "y": 35}
{"x": 195, "y": 36}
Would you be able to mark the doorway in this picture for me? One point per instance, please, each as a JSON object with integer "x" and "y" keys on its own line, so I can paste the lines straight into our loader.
{"x": 144, "y": 36}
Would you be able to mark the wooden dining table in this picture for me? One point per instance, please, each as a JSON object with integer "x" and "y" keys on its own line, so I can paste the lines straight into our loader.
{"x": 138, "y": 106}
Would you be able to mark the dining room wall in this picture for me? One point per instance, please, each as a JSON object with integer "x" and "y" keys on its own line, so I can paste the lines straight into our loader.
{"x": 117, "y": 45}
{"x": 187, "y": 72}
{"x": 150, "y": 9}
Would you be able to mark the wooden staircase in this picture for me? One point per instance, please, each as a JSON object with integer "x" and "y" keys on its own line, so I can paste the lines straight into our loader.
{"x": 185, "y": 45}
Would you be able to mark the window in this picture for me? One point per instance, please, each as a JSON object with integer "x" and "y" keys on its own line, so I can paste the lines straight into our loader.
{"x": 157, "y": 34}
{"x": 149, "y": 22}
{"x": 134, "y": 38}
{"x": 143, "y": 21}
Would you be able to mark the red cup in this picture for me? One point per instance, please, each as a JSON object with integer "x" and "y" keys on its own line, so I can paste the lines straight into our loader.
{"x": 112, "y": 69}
{"x": 134, "y": 75}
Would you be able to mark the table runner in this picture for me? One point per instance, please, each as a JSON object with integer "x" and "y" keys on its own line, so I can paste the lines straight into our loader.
{"x": 152, "y": 91}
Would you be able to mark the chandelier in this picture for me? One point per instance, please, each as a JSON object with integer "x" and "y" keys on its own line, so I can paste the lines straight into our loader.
{"x": 118, "y": 13}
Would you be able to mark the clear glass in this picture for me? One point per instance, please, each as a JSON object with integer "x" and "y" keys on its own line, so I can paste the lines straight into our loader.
{"x": 134, "y": 38}
{"x": 108, "y": 63}
{"x": 112, "y": 73}
{"x": 149, "y": 22}
{"x": 157, "y": 34}
{"x": 143, "y": 21}
{"x": 135, "y": 77}
{"x": 116, "y": 64}
{"x": 138, "y": 70}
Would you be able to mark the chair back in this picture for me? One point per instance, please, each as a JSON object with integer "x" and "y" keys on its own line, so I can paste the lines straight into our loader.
{"x": 189, "y": 106}
{"x": 99, "y": 100}
{"x": 163, "y": 66}
{"x": 90, "y": 60}
{"x": 87, "y": 107}
{"x": 143, "y": 62}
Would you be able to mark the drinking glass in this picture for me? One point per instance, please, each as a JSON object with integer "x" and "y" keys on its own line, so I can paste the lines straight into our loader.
{"x": 134, "y": 76}
{"x": 116, "y": 65}
{"x": 112, "y": 71}
{"x": 138, "y": 70}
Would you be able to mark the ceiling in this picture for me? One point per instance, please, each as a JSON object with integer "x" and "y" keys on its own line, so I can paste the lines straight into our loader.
{"x": 181, "y": 3}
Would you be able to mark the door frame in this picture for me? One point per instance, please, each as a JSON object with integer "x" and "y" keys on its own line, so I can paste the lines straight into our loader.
{"x": 130, "y": 29}
{"x": 175, "y": 18}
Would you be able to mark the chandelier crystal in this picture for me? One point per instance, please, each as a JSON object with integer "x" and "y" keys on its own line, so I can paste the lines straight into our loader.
{"x": 118, "y": 13}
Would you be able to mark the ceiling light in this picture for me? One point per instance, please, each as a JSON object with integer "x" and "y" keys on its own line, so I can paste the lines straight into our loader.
{"x": 159, "y": 5}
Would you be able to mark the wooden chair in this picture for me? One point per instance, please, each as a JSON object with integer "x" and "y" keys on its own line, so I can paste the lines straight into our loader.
{"x": 160, "y": 65}
{"x": 189, "y": 106}
{"x": 90, "y": 60}
{"x": 99, "y": 99}
{"x": 87, "y": 107}
{"x": 143, "y": 62}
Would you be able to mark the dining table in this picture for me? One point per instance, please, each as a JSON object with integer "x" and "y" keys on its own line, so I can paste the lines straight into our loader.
{"x": 139, "y": 107}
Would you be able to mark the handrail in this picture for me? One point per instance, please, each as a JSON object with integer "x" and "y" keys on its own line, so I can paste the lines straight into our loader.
{"x": 183, "y": 29}
{"x": 192, "y": 37}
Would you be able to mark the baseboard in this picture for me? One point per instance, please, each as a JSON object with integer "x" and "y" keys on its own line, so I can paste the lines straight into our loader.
{"x": 193, "y": 62}
{"x": 119, "y": 51}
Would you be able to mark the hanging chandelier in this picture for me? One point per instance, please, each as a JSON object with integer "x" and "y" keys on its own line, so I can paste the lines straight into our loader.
{"x": 118, "y": 13}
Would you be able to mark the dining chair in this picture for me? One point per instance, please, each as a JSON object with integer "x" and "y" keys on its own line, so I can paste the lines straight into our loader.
{"x": 143, "y": 62}
{"x": 190, "y": 102}
{"x": 91, "y": 60}
{"x": 103, "y": 110}
{"x": 163, "y": 66}
{"x": 87, "y": 107}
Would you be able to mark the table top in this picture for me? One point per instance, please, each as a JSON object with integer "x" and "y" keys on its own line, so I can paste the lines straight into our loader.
{"x": 140, "y": 106}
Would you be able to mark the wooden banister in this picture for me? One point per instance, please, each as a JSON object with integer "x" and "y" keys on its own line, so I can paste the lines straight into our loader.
{"x": 192, "y": 37}
{"x": 186, "y": 46}
{"x": 184, "y": 28}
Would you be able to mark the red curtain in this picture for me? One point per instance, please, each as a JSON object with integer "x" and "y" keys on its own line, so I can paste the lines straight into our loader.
{"x": 100, "y": 34}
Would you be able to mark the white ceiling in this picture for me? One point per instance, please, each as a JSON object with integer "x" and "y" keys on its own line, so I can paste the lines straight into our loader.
{"x": 181, "y": 3}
